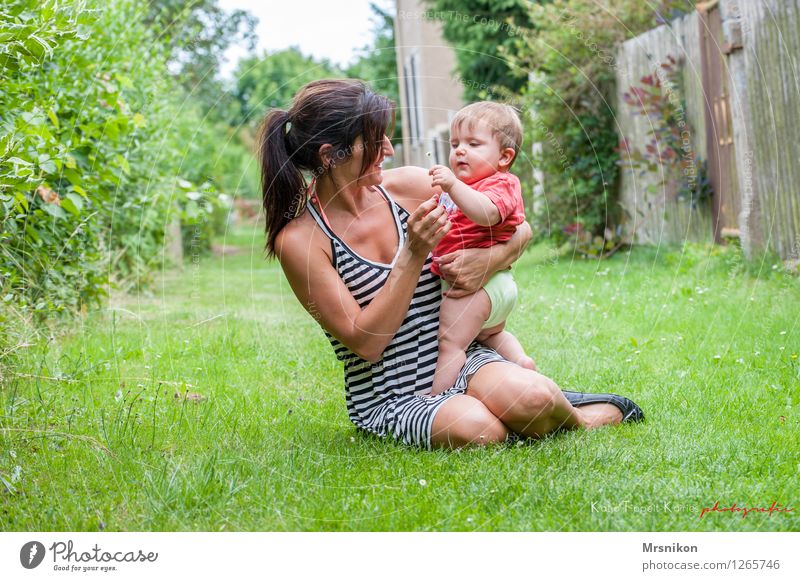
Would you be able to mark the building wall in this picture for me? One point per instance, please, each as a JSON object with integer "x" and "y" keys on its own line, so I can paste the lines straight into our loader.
{"x": 430, "y": 92}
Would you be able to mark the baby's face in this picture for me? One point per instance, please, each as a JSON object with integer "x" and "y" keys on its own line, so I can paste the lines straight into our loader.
{"x": 474, "y": 152}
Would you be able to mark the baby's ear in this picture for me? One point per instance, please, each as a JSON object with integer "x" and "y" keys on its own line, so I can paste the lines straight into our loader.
{"x": 507, "y": 155}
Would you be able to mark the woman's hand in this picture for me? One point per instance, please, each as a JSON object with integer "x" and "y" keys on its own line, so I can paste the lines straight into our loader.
{"x": 427, "y": 225}
{"x": 466, "y": 270}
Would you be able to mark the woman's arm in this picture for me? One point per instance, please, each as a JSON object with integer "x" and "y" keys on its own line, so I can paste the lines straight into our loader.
{"x": 317, "y": 285}
{"x": 468, "y": 270}
{"x": 409, "y": 186}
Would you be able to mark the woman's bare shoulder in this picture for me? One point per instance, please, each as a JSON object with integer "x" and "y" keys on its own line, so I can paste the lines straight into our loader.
{"x": 408, "y": 185}
{"x": 301, "y": 239}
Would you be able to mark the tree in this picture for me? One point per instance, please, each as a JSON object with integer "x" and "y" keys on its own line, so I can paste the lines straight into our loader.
{"x": 377, "y": 63}
{"x": 271, "y": 80}
{"x": 480, "y": 31}
{"x": 196, "y": 35}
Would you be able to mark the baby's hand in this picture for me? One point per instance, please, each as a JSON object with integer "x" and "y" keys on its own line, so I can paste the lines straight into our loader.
{"x": 442, "y": 177}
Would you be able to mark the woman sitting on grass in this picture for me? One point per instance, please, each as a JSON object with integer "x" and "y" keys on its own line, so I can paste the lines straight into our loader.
{"x": 355, "y": 246}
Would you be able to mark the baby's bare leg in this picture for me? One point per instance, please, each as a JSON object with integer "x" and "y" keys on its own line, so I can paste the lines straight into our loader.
{"x": 506, "y": 345}
{"x": 460, "y": 321}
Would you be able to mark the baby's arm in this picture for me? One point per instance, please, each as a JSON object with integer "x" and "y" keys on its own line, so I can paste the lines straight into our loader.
{"x": 475, "y": 205}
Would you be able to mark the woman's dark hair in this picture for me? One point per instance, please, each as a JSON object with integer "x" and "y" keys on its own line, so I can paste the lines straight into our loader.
{"x": 334, "y": 111}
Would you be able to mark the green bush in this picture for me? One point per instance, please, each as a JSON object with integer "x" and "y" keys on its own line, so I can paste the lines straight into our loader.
{"x": 93, "y": 134}
{"x": 570, "y": 54}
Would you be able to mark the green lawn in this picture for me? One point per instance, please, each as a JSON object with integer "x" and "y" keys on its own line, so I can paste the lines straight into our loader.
{"x": 94, "y": 437}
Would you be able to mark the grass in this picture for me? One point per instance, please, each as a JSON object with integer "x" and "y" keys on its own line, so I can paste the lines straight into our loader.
{"x": 97, "y": 431}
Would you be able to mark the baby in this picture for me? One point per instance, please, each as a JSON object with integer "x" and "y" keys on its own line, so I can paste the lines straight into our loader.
{"x": 485, "y": 202}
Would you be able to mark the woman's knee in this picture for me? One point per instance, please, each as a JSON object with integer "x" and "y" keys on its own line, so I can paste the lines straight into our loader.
{"x": 463, "y": 420}
{"x": 534, "y": 396}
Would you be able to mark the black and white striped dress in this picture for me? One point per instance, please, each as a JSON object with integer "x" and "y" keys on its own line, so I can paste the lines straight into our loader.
{"x": 391, "y": 396}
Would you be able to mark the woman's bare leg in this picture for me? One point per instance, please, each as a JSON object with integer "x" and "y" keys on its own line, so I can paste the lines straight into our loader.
{"x": 463, "y": 420}
{"x": 531, "y": 404}
{"x": 460, "y": 321}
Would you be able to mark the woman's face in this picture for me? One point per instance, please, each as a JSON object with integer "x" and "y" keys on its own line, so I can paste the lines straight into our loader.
{"x": 349, "y": 170}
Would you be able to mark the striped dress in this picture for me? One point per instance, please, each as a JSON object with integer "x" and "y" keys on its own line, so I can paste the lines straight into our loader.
{"x": 391, "y": 397}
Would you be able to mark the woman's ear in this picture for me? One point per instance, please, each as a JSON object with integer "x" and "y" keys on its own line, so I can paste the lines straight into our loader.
{"x": 507, "y": 155}
{"x": 325, "y": 152}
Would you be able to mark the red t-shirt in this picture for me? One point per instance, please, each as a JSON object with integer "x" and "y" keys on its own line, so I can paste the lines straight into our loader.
{"x": 504, "y": 190}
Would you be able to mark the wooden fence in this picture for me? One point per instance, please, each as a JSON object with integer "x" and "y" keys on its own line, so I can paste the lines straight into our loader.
{"x": 741, "y": 88}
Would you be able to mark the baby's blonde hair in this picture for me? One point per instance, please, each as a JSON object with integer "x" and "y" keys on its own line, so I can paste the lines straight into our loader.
{"x": 501, "y": 119}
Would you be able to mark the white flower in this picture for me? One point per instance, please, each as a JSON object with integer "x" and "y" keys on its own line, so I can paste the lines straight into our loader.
{"x": 423, "y": 482}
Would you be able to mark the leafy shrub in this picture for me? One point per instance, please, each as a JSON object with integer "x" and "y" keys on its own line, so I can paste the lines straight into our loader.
{"x": 570, "y": 54}
{"x": 479, "y": 29}
{"x": 93, "y": 133}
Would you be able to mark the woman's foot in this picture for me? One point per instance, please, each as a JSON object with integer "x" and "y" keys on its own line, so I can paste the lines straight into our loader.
{"x": 630, "y": 411}
{"x": 597, "y": 415}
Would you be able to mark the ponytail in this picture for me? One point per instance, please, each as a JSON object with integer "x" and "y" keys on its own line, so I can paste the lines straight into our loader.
{"x": 282, "y": 183}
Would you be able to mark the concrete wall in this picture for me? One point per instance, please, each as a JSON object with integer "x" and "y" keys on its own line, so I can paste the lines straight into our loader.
{"x": 438, "y": 92}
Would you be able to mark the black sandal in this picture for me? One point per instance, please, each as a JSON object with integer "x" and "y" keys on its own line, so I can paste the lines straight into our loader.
{"x": 630, "y": 411}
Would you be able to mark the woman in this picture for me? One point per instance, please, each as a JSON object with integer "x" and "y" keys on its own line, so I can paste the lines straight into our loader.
{"x": 355, "y": 247}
